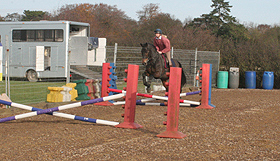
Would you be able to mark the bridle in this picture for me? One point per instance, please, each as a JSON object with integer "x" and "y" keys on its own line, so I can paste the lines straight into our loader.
{"x": 150, "y": 59}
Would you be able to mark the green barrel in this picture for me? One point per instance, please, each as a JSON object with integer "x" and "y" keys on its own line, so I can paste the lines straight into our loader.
{"x": 222, "y": 79}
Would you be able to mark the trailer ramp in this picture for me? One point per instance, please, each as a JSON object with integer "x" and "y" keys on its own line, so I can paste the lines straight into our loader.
{"x": 83, "y": 72}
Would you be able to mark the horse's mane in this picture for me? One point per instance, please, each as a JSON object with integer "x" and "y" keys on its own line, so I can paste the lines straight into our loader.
{"x": 149, "y": 44}
{"x": 150, "y": 47}
{"x": 154, "y": 54}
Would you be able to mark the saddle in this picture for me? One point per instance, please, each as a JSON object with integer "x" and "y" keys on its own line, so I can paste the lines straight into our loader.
{"x": 166, "y": 63}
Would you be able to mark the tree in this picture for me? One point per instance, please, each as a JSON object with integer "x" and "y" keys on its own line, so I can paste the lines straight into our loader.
{"x": 105, "y": 21}
{"x": 12, "y": 17}
{"x": 148, "y": 12}
{"x": 113, "y": 24}
{"x": 75, "y": 12}
{"x": 34, "y": 15}
{"x": 150, "y": 18}
{"x": 220, "y": 13}
{"x": 233, "y": 31}
{"x": 216, "y": 18}
{"x": 220, "y": 22}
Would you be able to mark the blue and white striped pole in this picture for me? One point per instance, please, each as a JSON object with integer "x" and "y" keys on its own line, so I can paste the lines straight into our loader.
{"x": 59, "y": 108}
{"x": 189, "y": 93}
{"x": 68, "y": 116}
{"x": 141, "y": 100}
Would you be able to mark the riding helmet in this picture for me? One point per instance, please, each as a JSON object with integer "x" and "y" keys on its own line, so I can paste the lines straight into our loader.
{"x": 158, "y": 31}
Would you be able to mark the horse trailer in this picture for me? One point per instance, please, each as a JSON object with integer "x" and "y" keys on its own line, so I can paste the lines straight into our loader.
{"x": 48, "y": 49}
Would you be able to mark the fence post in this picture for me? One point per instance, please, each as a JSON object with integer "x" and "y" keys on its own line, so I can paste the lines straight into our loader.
{"x": 115, "y": 53}
{"x": 219, "y": 60}
{"x": 7, "y": 75}
{"x": 1, "y": 59}
{"x": 195, "y": 64}
{"x": 172, "y": 54}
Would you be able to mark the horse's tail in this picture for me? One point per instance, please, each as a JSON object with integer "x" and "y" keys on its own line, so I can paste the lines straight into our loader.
{"x": 183, "y": 79}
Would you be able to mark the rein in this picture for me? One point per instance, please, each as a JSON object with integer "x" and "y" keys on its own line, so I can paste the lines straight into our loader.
{"x": 152, "y": 58}
{"x": 158, "y": 57}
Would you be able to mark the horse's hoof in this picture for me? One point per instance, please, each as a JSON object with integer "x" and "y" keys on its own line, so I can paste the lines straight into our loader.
{"x": 149, "y": 90}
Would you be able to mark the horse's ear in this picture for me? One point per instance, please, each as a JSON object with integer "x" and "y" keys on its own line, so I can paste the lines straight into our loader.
{"x": 144, "y": 45}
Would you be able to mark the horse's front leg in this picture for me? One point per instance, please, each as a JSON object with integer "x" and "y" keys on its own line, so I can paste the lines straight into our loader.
{"x": 164, "y": 84}
{"x": 147, "y": 81}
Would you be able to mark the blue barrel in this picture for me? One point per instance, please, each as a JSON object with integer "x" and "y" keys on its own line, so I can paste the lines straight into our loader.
{"x": 268, "y": 80}
{"x": 222, "y": 79}
{"x": 250, "y": 79}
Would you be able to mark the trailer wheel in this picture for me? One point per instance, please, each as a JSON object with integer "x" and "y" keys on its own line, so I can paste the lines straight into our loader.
{"x": 31, "y": 76}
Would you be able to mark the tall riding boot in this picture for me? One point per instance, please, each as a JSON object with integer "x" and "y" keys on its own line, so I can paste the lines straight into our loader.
{"x": 169, "y": 58}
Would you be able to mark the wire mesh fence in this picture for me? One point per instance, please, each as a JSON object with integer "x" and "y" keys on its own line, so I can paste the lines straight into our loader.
{"x": 25, "y": 92}
{"x": 191, "y": 61}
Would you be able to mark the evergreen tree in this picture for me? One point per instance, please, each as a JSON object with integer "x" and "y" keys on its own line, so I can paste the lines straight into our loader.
{"x": 216, "y": 18}
{"x": 220, "y": 22}
{"x": 221, "y": 13}
{"x": 34, "y": 15}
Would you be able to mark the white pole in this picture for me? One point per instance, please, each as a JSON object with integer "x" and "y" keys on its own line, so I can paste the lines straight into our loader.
{"x": 172, "y": 52}
{"x": 68, "y": 53}
{"x": 7, "y": 79}
{"x": 219, "y": 60}
{"x": 6, "y": 73}
{"x": 195, "y": 64}
{"x": 1, "y": 58}
{"x": 115, "y": 53}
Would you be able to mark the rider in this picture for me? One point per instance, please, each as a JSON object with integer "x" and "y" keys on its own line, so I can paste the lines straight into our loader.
{"x": 162, "y": 44}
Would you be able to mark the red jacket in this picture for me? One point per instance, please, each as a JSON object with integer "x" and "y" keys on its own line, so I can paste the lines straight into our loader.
{"x": 162, "y": 44}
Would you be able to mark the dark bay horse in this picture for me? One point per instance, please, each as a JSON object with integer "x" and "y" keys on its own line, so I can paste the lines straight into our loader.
{"x": 155, "y": 67}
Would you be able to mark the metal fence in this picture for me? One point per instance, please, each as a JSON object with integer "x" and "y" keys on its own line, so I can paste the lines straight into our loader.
{"x": 22, "y": 91}
{"x": 191, "y": 61}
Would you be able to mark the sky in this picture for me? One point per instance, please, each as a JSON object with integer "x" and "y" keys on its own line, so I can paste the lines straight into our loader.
{"x": 246, "y": 11}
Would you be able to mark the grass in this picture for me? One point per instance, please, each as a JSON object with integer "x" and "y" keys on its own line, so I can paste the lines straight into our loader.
{"x": 25, "y": 92}
{"x": 29, "y": 92}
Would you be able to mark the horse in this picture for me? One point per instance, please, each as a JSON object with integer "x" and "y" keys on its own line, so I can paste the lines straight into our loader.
{"x": 155, "y": 67}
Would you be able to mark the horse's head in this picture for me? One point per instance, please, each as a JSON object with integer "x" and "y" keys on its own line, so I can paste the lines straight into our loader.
{"x": 145, "y": 53}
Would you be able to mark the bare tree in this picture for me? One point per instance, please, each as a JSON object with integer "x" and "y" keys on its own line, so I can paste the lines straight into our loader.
{"x": 148, "y": 12}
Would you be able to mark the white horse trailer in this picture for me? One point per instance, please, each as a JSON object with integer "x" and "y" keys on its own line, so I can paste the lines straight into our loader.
{"x": 46, "y": 49}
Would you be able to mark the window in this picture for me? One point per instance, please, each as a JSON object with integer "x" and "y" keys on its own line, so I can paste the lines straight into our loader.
{"x": 58, "y": 35}
{"x": 17, "y": 36}
{"x": 40, "y": 35}
{"x": 31, "y": 35}
{"x": 49, "y": 35}
{"x": 53, "y": 35}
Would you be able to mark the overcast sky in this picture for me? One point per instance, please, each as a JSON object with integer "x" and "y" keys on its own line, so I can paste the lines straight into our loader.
{"x": 246, "y": 11}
